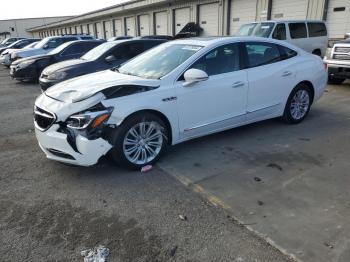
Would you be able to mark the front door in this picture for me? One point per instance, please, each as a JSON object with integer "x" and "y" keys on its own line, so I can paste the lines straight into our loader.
{"x": 218, "y": 102}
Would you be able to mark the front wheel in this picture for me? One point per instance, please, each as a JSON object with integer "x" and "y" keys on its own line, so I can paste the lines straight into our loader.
{"x": 335, "y": 80}
{"x": 298, "y": 104}
{"x": 139, "y": 141}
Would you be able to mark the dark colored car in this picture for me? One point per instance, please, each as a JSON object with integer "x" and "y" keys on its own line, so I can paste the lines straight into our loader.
{"x": 106, "y": 56}
{"x": 115, "y": 38}
{"x": 30, "y": 68}
{"x": 19, "y": 44}
{"x": 166, "y": 37}
{"x": 9, "y": 41}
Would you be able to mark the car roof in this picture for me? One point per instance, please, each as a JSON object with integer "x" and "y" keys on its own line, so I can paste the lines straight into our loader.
{"x": 289, "y": 21}
{"x": 208, "y": 41}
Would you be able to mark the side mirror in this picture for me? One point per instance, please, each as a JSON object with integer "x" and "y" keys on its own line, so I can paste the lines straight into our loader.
{"x": 110, "y": 58}
{"x": 194, "y": 75}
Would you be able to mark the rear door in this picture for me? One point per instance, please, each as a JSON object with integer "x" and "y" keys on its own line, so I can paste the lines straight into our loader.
{"x": 298, "y": 35}
{"x": 271, "y": 73}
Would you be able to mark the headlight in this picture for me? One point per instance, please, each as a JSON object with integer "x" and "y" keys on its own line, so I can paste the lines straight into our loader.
{"x": 25, "y": 64}
{"x": 57, "y": 76}
{"x": 89, "y": 119}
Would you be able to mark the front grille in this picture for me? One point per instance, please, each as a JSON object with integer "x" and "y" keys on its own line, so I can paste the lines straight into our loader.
{"x": 341, "y": 56}
{"x": 43, "y": 119}
{"x": 342, "y": 49}
{"x": 60, "y": 154}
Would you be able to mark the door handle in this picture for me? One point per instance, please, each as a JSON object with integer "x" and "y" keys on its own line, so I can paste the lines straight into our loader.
{"x": 237, "y": 84}
{"x": 286, "y": 73}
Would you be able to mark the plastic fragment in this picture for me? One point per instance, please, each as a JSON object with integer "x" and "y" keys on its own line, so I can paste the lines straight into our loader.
{"x": 98, "y": 254}
{"x": 182, "y": 217}
{"x": 146, "y": 168}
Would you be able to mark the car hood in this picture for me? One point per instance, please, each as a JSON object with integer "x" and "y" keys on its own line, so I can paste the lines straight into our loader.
{"x": 32, "y": 52}
{"x": 64, "y": 65}
{"x": 83, "y": 87}
{"x": 36, "y": 57}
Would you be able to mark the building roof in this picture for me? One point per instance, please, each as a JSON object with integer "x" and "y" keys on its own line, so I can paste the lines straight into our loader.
{"x": 130, "y": 5}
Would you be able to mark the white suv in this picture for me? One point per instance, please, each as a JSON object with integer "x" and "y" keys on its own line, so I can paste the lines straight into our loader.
{"x": 310, "y": 35}
{"x": 48, "y": 44}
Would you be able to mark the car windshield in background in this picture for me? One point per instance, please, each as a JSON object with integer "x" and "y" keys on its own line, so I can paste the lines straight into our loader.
{"x": 42, "y": 43}
{"x": 159, "y": 61}
{"x": 96, "y": 52}
{"x": 256, "y": 29}
{"x": 59, "y": 48}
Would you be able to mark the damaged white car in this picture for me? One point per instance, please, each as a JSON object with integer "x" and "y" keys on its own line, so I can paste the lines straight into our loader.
{"x": 175, "y": 92}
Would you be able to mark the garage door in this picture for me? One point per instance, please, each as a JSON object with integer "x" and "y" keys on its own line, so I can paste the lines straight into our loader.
{"x": 91, "y": 29}
{"x": 99, "y": 30}
{"x": 287, "y": 9}
{"x": 85, "y": 29}
{"x": 118, "y": 27}
{"x": 242, "y": 12}
{"x": 144, "y": 25}
{"x": 161, "y": 23}
{"x": 182, "y": 17}
{"x": 338, "y": 18}
{"x": 209, "y": 19}
{"x": 107, "y": 25}
{"x": 130, "y": 26}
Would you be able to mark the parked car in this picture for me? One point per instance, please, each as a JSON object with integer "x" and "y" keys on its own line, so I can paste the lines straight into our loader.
{"x": 310, "y": 35}
{"x": 166, "y": 37}
{"x": 10, "y": 40}
{"x": 46, "y": 45}
{"x": 119, "y": 38}
{"x": 105, "y": 56}
{"x": 175, "y": 92}
{"x": 29, "y": 69}
{"x": 19, "y": 44}
{"x": 5, "y": 57}
{"x": 338, "y": 62}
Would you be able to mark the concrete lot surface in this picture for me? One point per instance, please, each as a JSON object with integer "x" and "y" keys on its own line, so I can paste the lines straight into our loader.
{"x": 290, "y": 183}
{"x": 51, "y": 212}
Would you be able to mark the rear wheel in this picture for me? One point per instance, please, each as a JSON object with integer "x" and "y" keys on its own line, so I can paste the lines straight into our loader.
{"x": 335, "y": 80}
{"x": 139, "y": 141}
{"x": 298, "y": 104}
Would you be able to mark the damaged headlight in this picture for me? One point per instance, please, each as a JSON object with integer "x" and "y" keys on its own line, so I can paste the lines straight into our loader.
{"x": 91, "y": 119}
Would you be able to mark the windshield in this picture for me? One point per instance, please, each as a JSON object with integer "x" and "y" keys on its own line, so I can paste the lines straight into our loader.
{"x": 42, "y": 43}
{"x": 59, "y": 48}
{"x": 32, "y": 45}
{"x": 96, "y": 52}
{"x": 256, "y": 29}
{"x": 159, "y": 61}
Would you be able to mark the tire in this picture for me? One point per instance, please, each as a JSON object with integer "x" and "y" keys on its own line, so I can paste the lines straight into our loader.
{"x": 298, "y": 104}
{"x": 317, "y": 52}
{"x": 335, "y": 80}
{"x": 125, "y": 152}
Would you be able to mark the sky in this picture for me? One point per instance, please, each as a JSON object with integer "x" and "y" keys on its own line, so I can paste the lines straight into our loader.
{"x": 45, "y": 8}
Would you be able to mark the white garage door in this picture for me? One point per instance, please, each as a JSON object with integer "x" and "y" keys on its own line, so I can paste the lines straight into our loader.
{"x": 161, "y": 23}
{"x": 182, "y": 17}
{"x": 130, "y": 26}
{"x": 144, "y": 27}
{"x": 287, "y": 9}
{"x": 91, "y": 29}
{"x": 338, "y": 18}
{"x": 209, "y": 19}
{"x": 107, "y": 25}
{"x": 242, "y": 12}
{"x": 99, "y": 30}
{"x": 85, "y": 29}
{"x": 118, "y": 27}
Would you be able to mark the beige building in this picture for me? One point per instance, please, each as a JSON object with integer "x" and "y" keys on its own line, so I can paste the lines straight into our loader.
{"x": 216, "y": 17}
{"x": 18, "y": 27}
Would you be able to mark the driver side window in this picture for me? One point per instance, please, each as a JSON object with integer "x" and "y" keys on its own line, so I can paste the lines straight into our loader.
{"x": 223, "y": 59}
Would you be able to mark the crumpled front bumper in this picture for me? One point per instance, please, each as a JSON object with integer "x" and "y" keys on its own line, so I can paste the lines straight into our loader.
{"x": 56, "y": 147}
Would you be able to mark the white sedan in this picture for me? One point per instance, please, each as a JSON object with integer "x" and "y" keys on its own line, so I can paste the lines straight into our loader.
{"x": 175, "y": 92}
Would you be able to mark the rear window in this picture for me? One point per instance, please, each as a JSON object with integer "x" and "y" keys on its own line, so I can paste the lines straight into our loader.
{"x": 297, "y": 30}
{"x": 286, "y": 52}
{"x": 317, "y": 29}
